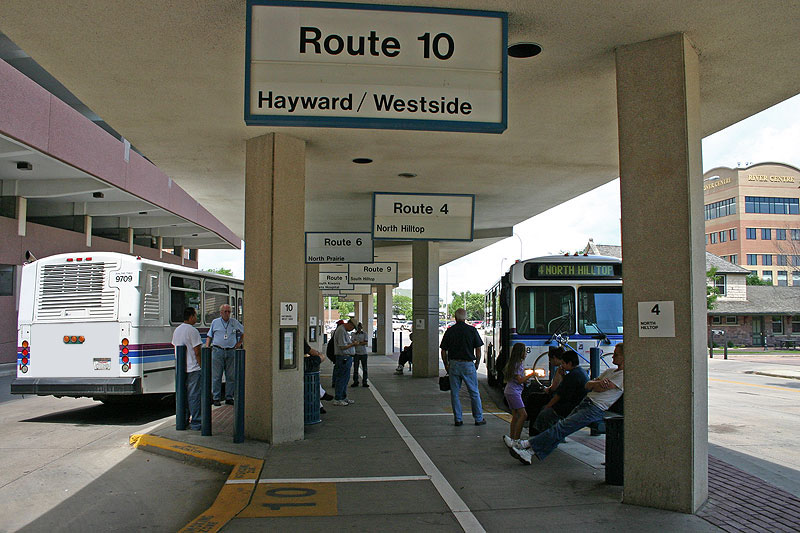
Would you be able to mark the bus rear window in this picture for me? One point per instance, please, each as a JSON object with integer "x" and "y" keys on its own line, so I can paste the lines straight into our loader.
{"x": 545, "y": 310}
{"x": 600, "y": 310}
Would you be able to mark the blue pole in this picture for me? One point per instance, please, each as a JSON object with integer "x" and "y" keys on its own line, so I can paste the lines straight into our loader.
{"x": 594, "y": 362}
{"x": 181, "y": 415}
{"x": 238, "y": 402}
{"x": 205, "y": 391}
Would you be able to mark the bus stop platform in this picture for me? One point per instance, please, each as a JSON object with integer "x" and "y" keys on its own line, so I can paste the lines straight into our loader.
{"x": 394, "y": 461}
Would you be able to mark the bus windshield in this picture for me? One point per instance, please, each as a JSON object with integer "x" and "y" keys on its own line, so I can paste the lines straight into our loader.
{"x": 545, "y": 310}
{"x": 600, "y": 310}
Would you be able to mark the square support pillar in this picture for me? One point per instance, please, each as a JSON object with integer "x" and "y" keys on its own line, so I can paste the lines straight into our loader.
{"x": 160, "y": 245}
{"x": 314, "y": 306}
{"x": 180, "y": 251}
{"x": 87, "y": 229}
{"x": 385, "y": 340}
{"x": 275, "y": 267}
{"x": 661, "y": 189}
{"x": 130, "y": 241}
{"x": 22, "y": 216}
{"x": 425, "y": 303}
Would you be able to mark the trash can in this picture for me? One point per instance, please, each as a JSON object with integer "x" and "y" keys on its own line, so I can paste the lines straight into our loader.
{"x": 311, "y": 398}
{"x": 615, "y": 448}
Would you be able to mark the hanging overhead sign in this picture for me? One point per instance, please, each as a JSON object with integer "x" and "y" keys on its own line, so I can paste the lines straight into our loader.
{"x": 373, "y": 273}
{"x": 357, "y": 289}
{"x": 425, "y": 217}
{"x": 334, "y": 281}
{"x": 325, "y": 64}
{"x": 338, "y": 247}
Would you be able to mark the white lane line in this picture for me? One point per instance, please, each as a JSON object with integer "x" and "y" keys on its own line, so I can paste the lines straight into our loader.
{"x": 332, "y": 479}
{"x": 457, "y": 506}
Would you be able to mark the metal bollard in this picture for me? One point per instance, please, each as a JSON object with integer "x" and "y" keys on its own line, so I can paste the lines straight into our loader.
{"x": 725, "y": 351}
{"x": 401, "y": 341}
{"x": 238, "y": 397}
{"x": 205, "y": 391}
{"x": 594, "y": 362}
{"x": 181, "y": 404}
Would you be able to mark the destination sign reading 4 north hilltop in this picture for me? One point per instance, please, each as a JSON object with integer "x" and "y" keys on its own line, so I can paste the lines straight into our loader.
{"x": 393, "y": 67}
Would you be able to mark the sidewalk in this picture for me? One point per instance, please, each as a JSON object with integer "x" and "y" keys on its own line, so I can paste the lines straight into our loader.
{"x": 393, "y": 461}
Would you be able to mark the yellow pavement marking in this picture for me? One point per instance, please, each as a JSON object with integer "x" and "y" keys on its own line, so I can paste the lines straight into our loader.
{"x": 232, "y": 498}
{"x": 292, "y": 499}
{"x": 754, "y": 385}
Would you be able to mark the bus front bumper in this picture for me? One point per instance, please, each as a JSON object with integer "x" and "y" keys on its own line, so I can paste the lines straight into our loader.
{"x": 77, "y": 387}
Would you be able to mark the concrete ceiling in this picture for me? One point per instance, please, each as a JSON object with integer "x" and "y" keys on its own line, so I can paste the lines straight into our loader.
{"x": 169, "y": 77}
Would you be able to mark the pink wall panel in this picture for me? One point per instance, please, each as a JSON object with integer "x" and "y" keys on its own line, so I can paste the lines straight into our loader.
{"x": 24, "y": 108}
{"x": 147, "y": 181}
{"x": 84, "y": 145}
{"x": 181, "y": 203}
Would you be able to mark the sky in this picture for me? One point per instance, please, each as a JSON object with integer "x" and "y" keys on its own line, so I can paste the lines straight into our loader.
{"x": 770, "y": 136}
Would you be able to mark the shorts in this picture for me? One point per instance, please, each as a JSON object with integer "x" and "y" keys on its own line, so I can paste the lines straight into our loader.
{"x": 514, "y": 400}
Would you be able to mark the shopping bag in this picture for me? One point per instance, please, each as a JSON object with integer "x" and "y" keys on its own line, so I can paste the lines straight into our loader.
{"x": 444, "y": 383}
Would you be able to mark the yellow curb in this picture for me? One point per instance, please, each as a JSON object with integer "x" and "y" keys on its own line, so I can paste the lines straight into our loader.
{"x": 232, "y": 498}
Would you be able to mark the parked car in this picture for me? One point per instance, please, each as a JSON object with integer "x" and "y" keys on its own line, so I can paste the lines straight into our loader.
{"x": 408, "y": 325}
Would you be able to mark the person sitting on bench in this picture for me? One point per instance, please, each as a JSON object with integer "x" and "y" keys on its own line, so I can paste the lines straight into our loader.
{"x": 603, "y": 392}
{"x": 566, "y": 397}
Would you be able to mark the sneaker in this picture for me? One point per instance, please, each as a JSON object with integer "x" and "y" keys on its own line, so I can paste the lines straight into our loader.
{"x": 349, "y": 401}
{"x": 399, "y": 371}
{"x": 524, "y": 456}
{"x": 322, "y": 410}
{"x": 216, "y": 403}
{"x": 459, "y": 423}
{"x": 355, "y": 384}
{"x": 508, "y": 441}
{"x": 229, "y": 401}
{"x": 340, "y": 403}
{"x": 327, "y": 397}
{"x": 480, "y": 422}
{"x": 364, "y": 385}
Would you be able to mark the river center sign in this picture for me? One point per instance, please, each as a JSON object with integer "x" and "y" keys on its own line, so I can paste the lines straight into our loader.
{"x": 422, "y": 217}
{"x": 324, "y": 64}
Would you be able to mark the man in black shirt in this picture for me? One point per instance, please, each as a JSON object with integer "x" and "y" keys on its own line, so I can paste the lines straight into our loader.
{"x": 566, "y": 396}
{"x": 461, "y": 355}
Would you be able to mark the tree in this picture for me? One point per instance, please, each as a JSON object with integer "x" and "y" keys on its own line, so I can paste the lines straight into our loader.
{"x": 712, "y": 293}
{"x": 471, "y": 302}
{"x": 402, "y": 305}
{"x": 345, "y": 308}
{"x": 221, "y": 270}
{"x": 753, "y": 279}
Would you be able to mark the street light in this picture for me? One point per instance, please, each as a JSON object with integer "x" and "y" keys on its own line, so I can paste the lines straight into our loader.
{"x": 520, "y": 246}
{"x": 501, "y": 265}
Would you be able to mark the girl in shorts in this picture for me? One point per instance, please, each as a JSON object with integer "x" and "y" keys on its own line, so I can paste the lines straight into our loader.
{"x": 517, "y": 377}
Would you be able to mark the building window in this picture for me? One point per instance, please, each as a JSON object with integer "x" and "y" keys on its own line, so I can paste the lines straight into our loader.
{"x": 713, "y": 238}
{"x": 716, "y": 320}
{"x": 6, "y": 280}
{"x": 766, "y": 275}
{"x": 780, "y": 234}
{"x": 751, "y": 233}
{"x": 720, "y": 209}
{"x": 766, "y": 260}
{"x": 795, "y": 278}
{"x": 796, "y": 324}
{"x": 796, "y": 260}
{"x": 752, "y": 259}
{"x": 723, "y": 236}
{"x": 732, "y": 234}
{"x": 766, "y": 234}
{"x": 783, "y": 279}
{"x": 782, "y": 260}
{"x": 777, "y": 325}
{"x": 753, "y": 273}
{"x": 706, "y": 239}
{"x": 731, "y": 320}
{"x": 734, "y": 259}
{"x": 772, "y": 206}
{"x": 719, "y": 283}
{"x": 795, "y": 234}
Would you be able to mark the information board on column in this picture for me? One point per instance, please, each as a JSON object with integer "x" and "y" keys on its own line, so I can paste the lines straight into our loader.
{"x": 656, "y": 319}
{"x": 426, "y": 217}
{"x": 338, "y": 247}
{"x": 374, "y": 273}
{"x": 351, "y": 65}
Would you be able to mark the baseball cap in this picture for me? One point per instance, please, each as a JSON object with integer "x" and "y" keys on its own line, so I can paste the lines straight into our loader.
{"x": 353, "y": 321}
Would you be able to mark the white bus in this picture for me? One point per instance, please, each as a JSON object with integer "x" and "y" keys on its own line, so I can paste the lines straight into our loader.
{"x": 100, "y": 324}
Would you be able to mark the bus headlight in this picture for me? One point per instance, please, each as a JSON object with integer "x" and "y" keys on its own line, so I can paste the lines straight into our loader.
{"x": 539, "y": 372}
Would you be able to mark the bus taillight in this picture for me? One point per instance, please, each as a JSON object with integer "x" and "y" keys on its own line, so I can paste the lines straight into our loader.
{"x": 125, "y": 359}
{"x": 125, "y": 342}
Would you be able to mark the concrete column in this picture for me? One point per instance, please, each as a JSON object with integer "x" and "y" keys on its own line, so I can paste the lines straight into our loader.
{"x": 130, "y": 240}
{"x": 367, "y": 312}
{"x": 87, "y": 229}
{"x": 314, "y": 305}
{"x": 160, "y": 245}
{"x": 275, "y": 267}
{"x": 180, "y": 251}
{"x": 193, "y": 254}
{"x": 425, "y": 302}
{"x": 22, "y": 216}
{"x": 666, "y": 420}
{"x": 385, "y": 319}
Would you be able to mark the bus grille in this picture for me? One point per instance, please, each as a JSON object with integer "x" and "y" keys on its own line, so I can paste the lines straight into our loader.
{"x": 76, "y": 290}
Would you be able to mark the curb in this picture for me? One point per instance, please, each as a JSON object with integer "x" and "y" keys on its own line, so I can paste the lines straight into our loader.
{"x": 235, "y": 494}
{"x": 772, "y": 374}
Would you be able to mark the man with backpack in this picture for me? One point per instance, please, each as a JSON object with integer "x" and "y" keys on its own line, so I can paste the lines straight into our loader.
{"x": 344, "y": 348}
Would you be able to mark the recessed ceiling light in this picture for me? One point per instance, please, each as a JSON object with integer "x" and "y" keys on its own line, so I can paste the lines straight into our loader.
{"x": 523, "y": 50}
{"x": 362, "y": 160}
{"x": 98, "y": 195}
{"x": 24, "y": 165}
{"x": 407, "y": 175}
{"x": 142, "y": 212}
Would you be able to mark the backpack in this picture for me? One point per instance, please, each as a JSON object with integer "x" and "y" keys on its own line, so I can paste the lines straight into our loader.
{"x": 330, "y": 351}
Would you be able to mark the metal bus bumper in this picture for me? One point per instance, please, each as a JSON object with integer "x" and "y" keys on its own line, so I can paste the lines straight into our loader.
{"x": 77, "y": 387}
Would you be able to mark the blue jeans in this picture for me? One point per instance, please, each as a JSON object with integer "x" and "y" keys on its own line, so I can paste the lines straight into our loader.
{"x": 584, "y": 414}
{"x": 193, "y": 396}
{"x": 363, "y": 360}
{"x": 341, "y": 373}
{"x": 464, "y": 371}
{"x": 547, "y": 418}
{"x": 222, "y": 359}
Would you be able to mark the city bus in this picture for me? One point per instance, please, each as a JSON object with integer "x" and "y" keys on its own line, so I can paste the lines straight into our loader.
{"x": 572, "y": 300}
{"x": 100, "y": 324}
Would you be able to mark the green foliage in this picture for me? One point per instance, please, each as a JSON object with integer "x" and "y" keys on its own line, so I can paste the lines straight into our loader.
{"x": 401, "y": 305}
{"x": 220, "y": 270}
{"x": 753, "y": 279}
{"x": 712, "y": 293}
{"x": 345, "y": 308}
{"x": 472, "y": 302}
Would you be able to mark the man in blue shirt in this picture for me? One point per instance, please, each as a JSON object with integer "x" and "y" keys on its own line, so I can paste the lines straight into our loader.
{"x": 225, "y": 335}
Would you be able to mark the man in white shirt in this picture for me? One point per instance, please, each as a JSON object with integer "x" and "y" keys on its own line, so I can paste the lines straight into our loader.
{"x": 603, "y": 392}
{"x": 187, "y": 335}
